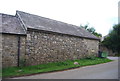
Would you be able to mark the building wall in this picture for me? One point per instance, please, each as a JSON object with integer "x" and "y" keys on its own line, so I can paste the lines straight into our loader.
{"x": 0, "y": 52}
{"x": 10, "y": 49}
{"x": 92, "y": 46}
{"x": 44, "y": 47}
{"x": 40, "y": 47}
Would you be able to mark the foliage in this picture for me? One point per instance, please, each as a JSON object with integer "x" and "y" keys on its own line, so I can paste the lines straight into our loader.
{"x": 112, "y": 41}
{"x": 49, "y": 67}
{"x": 91, "y": 30}
{"x": 118, "y": 55}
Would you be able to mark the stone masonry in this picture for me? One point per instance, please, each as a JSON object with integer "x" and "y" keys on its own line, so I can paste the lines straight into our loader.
{"x": 40, "y": 47}
{"x": 10, "y": 49}
{"x": 44, "y": 47}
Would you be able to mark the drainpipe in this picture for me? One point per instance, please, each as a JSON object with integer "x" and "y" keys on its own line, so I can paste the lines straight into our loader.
{"x": 18, "y": 56}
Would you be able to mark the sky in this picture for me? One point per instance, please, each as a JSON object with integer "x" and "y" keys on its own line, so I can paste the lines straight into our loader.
{"x": 100, "y": 14}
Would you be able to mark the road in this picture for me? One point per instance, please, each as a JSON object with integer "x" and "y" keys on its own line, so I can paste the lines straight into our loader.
{"x": 100, "y": 71}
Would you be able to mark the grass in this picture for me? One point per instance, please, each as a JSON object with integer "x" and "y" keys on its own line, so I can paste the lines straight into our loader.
{"x": 49, "y": 67}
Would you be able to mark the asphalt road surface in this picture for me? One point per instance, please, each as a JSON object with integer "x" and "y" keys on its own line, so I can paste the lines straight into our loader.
{"x": 100, "y": 71}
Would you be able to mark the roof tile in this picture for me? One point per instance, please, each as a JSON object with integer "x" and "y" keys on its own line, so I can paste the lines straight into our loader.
{"x": 46, "y": 24}
{"x": 10, "y": 24}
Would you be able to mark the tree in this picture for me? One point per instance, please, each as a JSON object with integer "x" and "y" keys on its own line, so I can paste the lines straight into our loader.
{"x": 91, "y": 30}
{"x": 112, "y": 41}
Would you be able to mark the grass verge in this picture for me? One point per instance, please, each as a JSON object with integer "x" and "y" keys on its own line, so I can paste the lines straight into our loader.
{"x": 49, "y": 67}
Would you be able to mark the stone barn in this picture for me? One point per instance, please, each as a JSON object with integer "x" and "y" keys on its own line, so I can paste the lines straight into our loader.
{"x": 36, "y": 40}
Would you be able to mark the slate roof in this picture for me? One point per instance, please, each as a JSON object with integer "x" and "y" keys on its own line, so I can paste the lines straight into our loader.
{"x": 37, "y": 22}
{"x": 10, "y": 24}
{"x": 22, "y": 21}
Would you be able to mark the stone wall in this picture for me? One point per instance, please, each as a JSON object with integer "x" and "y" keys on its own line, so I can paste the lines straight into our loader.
{"x": 109, "y": 51}
{"x": 92, "y": 46}
{"x": 0, "y": 52}
{"x": 42, "y": 47}
{"x": 10, "y": 49}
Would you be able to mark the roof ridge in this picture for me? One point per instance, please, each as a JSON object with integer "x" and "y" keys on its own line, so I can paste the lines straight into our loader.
{"x": 7, "y": 14}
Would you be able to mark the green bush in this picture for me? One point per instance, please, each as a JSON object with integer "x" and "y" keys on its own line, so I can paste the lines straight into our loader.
{"x": 118, "y": 55}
